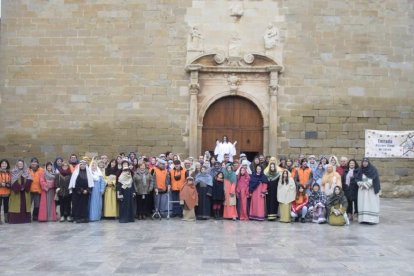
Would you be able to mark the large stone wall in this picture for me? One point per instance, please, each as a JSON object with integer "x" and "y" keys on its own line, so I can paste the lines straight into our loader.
{"x": 108, "y": 76}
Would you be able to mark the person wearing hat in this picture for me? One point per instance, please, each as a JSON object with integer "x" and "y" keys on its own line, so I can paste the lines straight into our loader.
{"x": 316, "y": 204}
{"x": 80, "y": 186}
{"x": 125, "y": 192}
{"x": 161, "y": 183}
{"x": 369, "y": 185}
{"x": 243, "y": 157}
{"x": 35, "y": 189}
{"x": 189, "y": 199}
{"x": 177, "y": 179}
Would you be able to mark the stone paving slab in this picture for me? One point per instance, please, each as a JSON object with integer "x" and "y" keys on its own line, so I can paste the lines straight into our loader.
{"x": 173, "y": 247}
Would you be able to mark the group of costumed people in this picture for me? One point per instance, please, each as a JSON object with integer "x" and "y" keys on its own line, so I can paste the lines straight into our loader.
{"x": 128, "y": 188}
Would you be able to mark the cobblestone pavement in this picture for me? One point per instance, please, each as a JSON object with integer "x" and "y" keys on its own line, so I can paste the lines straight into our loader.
{"x": 173, "y": 247}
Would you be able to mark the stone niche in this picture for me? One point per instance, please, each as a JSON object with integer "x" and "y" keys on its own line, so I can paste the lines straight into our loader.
{"x": 214, "y": 76}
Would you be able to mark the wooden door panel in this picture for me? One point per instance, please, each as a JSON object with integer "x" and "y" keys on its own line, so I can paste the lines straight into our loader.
{"x": 236, "y": 117}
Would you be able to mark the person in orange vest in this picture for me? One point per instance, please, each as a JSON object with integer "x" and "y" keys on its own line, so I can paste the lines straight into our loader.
{"x": 177, "y": 178}
{"x": 161, "y": 184}
{"x": 35, "y": 189}
{"x": 5, "y": 184}
{"x": 304, "y": 176}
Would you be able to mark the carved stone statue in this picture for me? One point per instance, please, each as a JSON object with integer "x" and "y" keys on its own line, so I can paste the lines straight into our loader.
{"x": 235, "y": 45}
{"x": 195, "y": 40}
{"x": 271, "y": 36}
{"x": 233, "y": 82}
{"x": 236, "y": 9}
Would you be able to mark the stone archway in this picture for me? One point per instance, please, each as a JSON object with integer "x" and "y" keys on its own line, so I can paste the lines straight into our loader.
{"x": 213, "y": 76}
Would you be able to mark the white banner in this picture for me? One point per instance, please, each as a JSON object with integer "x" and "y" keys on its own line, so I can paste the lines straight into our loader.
{"x": 389, "y": 144}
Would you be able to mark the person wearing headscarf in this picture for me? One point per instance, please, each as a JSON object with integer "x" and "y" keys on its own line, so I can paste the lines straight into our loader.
{"x": 20, "y": 199}
{"x": 189, "y": 199}
{"x": 368, "y": 194}
{"x": 242, "y": 191}
{"x": 95, "y": 205}
{"x": 257, "y": 189}
{"x": 230, "y": 202}
{"x": 125, "y": 192}
{"x": 143, "y": 188}
{"x": 215, "y": 169}
{"x": 161, "y": 184}
{"x": 80, "y": 186}
{"x": 313, "y": 164}
{"x": 5, "y": 184}
{"x": 218, "y": 194}
{"x": 317, "y": 204}
{"x": 204, "y": 185}
{"x": 178, "y": 175}
{"x": 272, "y": 205}
{"x": 333, "y": 160}
{"x": 286, "y": 194}
{"x": 318, "y": 173}
{"x": 57, "y": 164}
{"x": 111, "y": 208}
{"x": 330, "y": 180}
{"x": 350, "y": 188}
{"x": 272, "y": 160}
{"x": 337, "y": 205}
{"x": 62, "y": 189}
{"x": 300, "y": 204}
{"x": 47, "y": 207}
{"x": 36, "y": 173}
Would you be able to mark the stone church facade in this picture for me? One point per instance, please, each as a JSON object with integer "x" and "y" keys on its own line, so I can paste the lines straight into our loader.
{"x": 109, "y": 76}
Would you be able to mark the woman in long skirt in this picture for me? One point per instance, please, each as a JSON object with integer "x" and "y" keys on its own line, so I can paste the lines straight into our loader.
{"x": 20, "y": 201}
{"x": 47, "y": 207}
{"x": 125, "y": 193}
{"x": 368, "y": 193}
{"x": 272, "y": 205}
{"x": 257, "y": 189}
{"x": 81, "y": 184}
{"x": 243, "y": 194}
{"x": 230, "y": 202}
{"x": 218, "y": 194}
{"x": 286, "y": 194}
{"x": 111, "y": 208}
{"x": 95, "y": 206}
{"x": 189, "y": 199}
{"x": 204, "y": 185}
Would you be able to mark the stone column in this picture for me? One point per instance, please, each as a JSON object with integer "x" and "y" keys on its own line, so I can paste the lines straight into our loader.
{"x": 194, "y": 88}
{"x": 273, "y": 122}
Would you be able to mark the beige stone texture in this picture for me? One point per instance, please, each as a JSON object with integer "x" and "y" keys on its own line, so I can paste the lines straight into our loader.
{"x": 109, "y": 76}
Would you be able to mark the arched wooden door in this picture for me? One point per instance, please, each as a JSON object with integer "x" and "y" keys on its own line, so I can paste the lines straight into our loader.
{"x": 239, "y": 119}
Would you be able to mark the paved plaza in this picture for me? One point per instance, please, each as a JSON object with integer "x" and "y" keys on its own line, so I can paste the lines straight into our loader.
{"x": 173, "y": 247}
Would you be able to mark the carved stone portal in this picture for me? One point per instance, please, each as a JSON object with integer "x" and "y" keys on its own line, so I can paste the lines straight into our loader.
{"x": 214, "y": 75}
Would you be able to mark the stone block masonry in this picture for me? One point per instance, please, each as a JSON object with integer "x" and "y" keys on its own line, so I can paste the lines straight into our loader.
{"x": 109, "y": 76}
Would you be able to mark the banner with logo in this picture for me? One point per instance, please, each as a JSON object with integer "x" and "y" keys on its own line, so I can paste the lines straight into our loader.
{"x": 389, "y": 144}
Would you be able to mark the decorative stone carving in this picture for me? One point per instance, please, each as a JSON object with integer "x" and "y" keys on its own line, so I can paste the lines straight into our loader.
{"x": 248, "y": 58}
{"x": 274, "y": 83}
{"x": 219, "y": 58}
{"x": 271, "y": 37}
{"x": 195, "y": 40}
{"x": 234, "y": 82}
{"x": 235, "y": 45}
{"x": 236, "y": 9}
{"x": 194, "y": 88}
